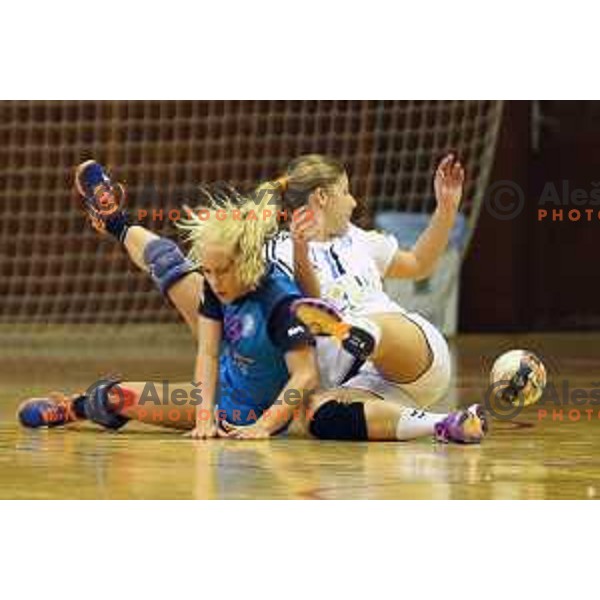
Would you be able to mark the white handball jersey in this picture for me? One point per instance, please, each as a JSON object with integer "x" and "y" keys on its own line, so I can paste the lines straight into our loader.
{"x": 350, "y": 268}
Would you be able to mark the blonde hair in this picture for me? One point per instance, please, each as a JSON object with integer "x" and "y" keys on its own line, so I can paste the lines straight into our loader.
{"x": 234, "y": 222}
{"x": 302, "y": 177}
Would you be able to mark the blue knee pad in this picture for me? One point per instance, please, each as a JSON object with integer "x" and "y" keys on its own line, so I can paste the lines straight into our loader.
{"x": 335, "y": 420}
{"x": 96, "y": 407}
{"x": 167, "y": 263}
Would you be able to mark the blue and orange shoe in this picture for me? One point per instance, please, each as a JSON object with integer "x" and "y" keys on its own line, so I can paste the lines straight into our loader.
{"x": 468, "y": 426}
{"x": 322, "y": 318}
{"x": 54, "y": 410}
{"x": 103, "y": 200}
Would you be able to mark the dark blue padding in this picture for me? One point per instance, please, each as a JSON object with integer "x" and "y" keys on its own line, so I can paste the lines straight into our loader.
{"x": 167, "y": 263}
{"x": 96, "y": 405}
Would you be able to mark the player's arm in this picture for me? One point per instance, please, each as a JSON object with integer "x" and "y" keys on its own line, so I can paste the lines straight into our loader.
{"x": 206, "y": 370}
{"x": 304, "y": 379}
{"x": 206, "y": 373}
{"x": 420, "y": 262}
{"x": 302, "y": 229}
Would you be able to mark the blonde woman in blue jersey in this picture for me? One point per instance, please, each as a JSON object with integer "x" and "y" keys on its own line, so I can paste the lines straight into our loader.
{"x": 255, "y": 360}
{"x": 252, "y": 351}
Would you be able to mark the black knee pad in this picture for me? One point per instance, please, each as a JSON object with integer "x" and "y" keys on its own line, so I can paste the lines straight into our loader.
{"x": 96, "y": 406}
{"x": 335, "y": 420}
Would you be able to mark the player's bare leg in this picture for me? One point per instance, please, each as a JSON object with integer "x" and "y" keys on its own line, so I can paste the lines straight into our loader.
{"x": 401, "y": 353}
{"x": 162, "y": 404}
{"x": 103, "y": 202}
{"x": 353, "y": 414}
{"x": 112, "y": 404}
{"x": 396, "y": 344}
{"x": 184, "y": 294}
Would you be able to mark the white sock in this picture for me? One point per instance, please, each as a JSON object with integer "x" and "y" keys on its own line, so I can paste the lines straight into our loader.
{"x": 416, "y": 423}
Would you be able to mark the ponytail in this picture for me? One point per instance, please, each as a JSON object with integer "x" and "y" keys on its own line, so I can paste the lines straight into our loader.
{"x": 303, "y": 176}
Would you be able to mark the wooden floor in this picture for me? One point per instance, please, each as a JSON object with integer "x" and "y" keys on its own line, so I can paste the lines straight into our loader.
{"x": 529, "y": 457}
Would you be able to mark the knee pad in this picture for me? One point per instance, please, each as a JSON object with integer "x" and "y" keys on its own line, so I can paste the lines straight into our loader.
{"x": 167, "y": 263}
{"x": 336, "y": 420}
{"x": 97, "y": 408}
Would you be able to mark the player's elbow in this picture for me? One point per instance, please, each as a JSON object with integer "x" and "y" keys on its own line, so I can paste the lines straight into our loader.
{"x": 423, "y": 269}
{"x": 423, "y": 272}
{"x": 408, "y": 265}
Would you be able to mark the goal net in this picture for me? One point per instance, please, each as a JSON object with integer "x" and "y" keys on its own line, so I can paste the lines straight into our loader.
{"x": 55, "y": 269}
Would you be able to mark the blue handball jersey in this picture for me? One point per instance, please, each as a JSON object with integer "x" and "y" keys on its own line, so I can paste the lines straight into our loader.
{"x": 258, "y": 329}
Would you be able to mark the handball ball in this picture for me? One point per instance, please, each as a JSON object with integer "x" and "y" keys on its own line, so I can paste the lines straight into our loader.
{"x": 518, "y": 377}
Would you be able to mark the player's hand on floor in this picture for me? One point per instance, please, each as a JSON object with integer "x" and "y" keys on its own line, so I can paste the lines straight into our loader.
{"x": 243, "y": 432}
{"x": 203, "y": 431}
{"x": 448, "y": 183}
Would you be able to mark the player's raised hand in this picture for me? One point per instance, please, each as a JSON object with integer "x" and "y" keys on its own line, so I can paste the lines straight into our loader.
{"x": 448, "y": 183}
{"x": 305, "y": 225}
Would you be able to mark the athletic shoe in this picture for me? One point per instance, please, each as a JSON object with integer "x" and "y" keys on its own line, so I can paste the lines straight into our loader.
{"x": 102, "y": 199}
{"x": 53, "y": 411}
{"x": 322, "y": 318}
{"x": 467, "y": 426}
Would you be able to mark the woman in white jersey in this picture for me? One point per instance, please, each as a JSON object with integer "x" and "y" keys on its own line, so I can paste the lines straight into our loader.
{"x": 345, "y": 266}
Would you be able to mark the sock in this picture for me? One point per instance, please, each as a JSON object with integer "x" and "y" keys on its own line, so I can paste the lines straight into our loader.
{"x": 118, "y": 224}
{"x": 78, "y": 407}
{"x": 416, "y": 423}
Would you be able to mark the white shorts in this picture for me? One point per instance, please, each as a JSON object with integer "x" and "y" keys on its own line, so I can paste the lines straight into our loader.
{"x": 427, "y": 389}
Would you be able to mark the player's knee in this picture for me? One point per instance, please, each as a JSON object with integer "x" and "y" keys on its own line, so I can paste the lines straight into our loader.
{"x": 335, "y": 420}
{"x": 98, "y": 407}
{"x": 166, "y": 262}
